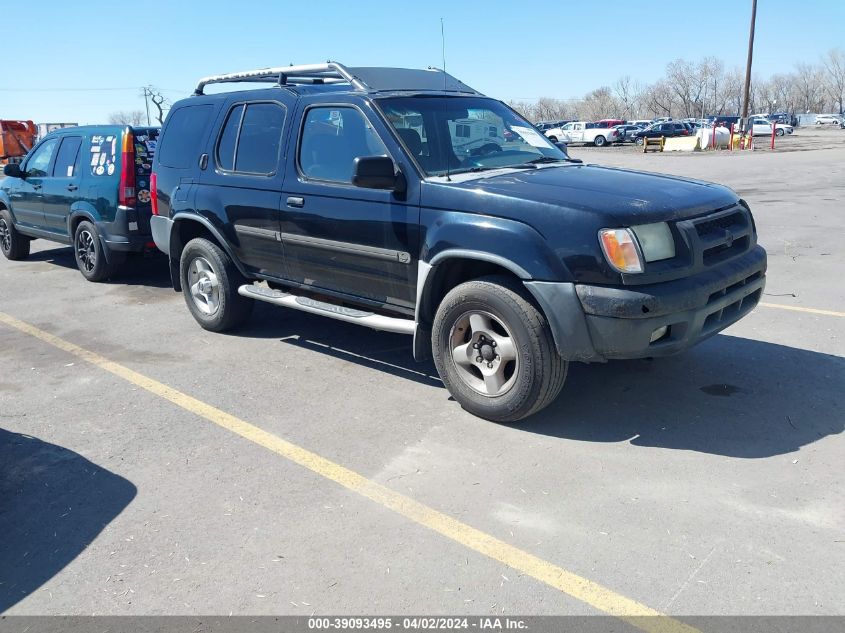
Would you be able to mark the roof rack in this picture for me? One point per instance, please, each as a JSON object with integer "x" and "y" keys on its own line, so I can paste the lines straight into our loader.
{"x": 330, "y": 72}
{"x": 364, "y": 79}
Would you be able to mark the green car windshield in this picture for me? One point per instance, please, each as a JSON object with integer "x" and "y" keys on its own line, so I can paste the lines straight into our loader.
{"x": 463, "y": 134}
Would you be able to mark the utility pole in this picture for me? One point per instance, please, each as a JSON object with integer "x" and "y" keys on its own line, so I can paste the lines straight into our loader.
{"x": 748, "y": 64}
{"x": 147, "y": 103}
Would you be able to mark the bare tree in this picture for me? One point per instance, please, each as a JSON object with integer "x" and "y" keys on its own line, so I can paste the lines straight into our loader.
{"x": 628, "y": 93}
{"x": 598, "y": 104}
{"x": 658, "y": 99}
{"x": 808, "y": 87}
{"x": 688, "y": 81}
{"x": 130, "y": 117}
{"x": 159, "y": 101}
{"x": 834, "y": 76}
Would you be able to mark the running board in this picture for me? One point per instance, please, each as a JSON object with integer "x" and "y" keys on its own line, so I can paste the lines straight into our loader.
{"x": 341, "y": 313}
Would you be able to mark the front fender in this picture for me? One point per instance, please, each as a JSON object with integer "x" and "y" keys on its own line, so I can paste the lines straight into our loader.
{"x": 6, "y": 201}
{"x": 511, "y": 244}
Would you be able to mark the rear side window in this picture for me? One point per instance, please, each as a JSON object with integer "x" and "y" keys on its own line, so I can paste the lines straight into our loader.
{"x": 179, "y": 146}
{"x": 65, "y": 166}
{"x": 251, "y": 139}
{"x": 103, "y": 150}
{"x": 229, "y": 139}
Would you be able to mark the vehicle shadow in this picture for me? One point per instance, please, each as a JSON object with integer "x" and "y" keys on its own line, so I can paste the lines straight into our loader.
{"x": 138, "y": 270}
{"x": 53, "y": 504}
{"x": 729, "y": 395}
{"x": 383, "y": 351}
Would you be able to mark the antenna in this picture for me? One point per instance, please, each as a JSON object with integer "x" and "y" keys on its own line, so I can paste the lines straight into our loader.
{"x": 445, "y": 102}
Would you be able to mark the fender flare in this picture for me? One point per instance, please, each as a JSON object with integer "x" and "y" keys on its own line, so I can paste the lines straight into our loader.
{"x": 215, "y": 232}
{"x": 7, "y": 203}
{"x": 82, "y": 210}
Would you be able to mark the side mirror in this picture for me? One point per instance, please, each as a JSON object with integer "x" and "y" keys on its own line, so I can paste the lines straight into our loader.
{"x": 562, "y": 147}
{"x": 13, "y": 170}
{"x": 374, "y": 172}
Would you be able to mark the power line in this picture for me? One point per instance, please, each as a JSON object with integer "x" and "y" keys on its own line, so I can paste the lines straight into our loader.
{"x": 135, "y": 88}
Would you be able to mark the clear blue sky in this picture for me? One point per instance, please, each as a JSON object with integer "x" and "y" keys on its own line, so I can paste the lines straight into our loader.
{"x": 506, "y": 49}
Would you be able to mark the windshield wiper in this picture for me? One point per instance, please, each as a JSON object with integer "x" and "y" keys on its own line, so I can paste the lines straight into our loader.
{"x": 548, "y": 159}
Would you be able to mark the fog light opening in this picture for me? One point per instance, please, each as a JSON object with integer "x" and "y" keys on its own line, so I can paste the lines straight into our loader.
{"x": 659, "y": 333}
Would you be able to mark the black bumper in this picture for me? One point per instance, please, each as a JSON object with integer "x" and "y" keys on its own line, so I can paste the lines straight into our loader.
{"x": 596, "y": 323}
{"x": 128, "y": 232}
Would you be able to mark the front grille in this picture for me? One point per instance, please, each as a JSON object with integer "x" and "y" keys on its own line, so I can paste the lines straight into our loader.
{"x": 722, "y": 222}
{"x": 719, "y": 236}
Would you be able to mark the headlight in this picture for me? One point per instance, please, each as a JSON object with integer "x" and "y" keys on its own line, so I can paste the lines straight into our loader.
{"x": 656, "y": 241}
{"x": 627, "y": 249}
{"x": 621, "y": 250}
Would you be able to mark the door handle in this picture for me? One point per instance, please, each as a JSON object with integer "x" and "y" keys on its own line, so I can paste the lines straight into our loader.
{"x": 296, "y": 201}
{"x": 36, "y": 187}
{"x": 72, "y": 187}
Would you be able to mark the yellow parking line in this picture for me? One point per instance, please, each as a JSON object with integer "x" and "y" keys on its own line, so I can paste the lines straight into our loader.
{"x": 800, "y": 309}
{"x": 587, "y": 591}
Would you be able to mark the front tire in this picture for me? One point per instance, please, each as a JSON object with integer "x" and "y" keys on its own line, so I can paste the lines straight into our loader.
{"x": 89, "y": 253}
{"x": 638, "y": 140}
{"x": 600, "y": 141}
{"x": 553, "y": 139}
{"x": 519, "y": 371}
{"x": 210, "y": 283}
{"x": 14, "y": 245}
{"x": 779, "y": 132}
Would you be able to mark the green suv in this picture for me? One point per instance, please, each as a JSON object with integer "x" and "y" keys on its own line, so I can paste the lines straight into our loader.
{"x": 87, "y": 186}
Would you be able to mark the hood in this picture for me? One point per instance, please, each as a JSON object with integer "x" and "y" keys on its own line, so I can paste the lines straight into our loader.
{"x": 618, "y": 197}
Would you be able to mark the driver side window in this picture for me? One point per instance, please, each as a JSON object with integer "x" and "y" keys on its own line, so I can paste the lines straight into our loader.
{"x": 40, "y": 161}
{"x": 332, "y": 138}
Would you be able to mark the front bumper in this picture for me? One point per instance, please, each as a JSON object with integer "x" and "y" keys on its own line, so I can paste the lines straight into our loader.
{"x": 597, "y": 323}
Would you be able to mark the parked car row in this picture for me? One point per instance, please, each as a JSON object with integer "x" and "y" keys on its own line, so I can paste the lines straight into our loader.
{"x": 361, "y": 195}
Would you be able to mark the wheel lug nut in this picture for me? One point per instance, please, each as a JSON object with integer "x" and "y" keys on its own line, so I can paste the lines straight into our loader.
{"x": 493, "y": 343}
{"x": 497, "y": 357}
{"x": 490, "y": 365}
{"x": 478, "y": 359}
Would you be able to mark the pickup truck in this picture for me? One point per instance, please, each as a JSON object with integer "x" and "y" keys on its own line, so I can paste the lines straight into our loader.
{"x": 583, "y": 132}
{"x": 344, "y": 192}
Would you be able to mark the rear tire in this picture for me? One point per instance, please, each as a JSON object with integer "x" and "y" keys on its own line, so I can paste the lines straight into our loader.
{"x": 779, "y": 132}
{"x": 520, "y": 371}
{"x": 210, "y": 282}
{"x": 14, "y": 245}
{"x": 553, "y": 139}
{"x": 89, "y": 254}
{"x": 638, "y": 140}
{"x": 600, "y": 141}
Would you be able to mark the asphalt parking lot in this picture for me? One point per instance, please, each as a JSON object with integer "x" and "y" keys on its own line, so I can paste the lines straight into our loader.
{"x": 706, "y": 483}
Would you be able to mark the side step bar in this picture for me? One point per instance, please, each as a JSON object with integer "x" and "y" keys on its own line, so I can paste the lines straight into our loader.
{"x": 341, "y": 313}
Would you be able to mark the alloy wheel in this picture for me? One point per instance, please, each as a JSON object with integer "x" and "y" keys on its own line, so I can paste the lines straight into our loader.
{"x": 5, "y": 236}
{"x": 204, "y": 286}
{"x": 484, "y": 353}
{"x": 86, "y": 251}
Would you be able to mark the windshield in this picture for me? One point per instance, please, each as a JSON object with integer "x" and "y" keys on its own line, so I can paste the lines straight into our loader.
{"x": 461, "y": 134}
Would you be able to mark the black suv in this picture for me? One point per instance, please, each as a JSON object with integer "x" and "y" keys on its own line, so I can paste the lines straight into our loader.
{"x": 87, "y": 186}
{"x": 666, "y": 129}
{"x": 404, "y": 200}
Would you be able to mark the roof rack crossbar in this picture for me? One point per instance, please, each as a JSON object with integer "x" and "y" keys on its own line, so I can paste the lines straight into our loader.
{"x": 330, "y": 72}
